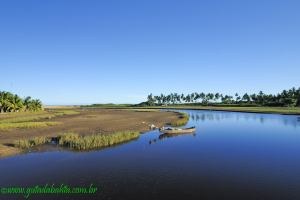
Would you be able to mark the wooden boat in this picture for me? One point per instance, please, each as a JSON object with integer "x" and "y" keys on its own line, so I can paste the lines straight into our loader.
{"x": 177, "y": 130}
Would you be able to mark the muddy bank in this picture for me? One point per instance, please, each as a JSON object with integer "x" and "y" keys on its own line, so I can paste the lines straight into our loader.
{"x": 91, "y": 121}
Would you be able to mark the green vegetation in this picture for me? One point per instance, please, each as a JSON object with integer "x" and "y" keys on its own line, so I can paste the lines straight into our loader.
{"x": 77, "y": 142}
{"x": 287, "y": 98}
{"x": 183, "y": 119}
{"x": 25, "y": 143}
{"x": 27, "y": 125}
{"x": 13, "y": 103}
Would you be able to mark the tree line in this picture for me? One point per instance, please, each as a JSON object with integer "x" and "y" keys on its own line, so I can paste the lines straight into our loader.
{"x": 289, "y": 97}
{"x": 13, "y": 103}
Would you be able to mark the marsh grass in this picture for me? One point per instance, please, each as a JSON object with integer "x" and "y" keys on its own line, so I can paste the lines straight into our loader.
{"x": 27, "y": 143}
{"x": 78, "y": 142}
{"x": 183, "y": 119}
{"x": 27, "y": 125}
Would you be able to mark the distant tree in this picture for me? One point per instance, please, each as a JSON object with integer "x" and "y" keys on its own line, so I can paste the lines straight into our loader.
{"x": 209, "y": 97}
{"x": 246, "y": 98}
{"x": 150, "y": 100}
{"x": 217, "y": 96}
{"x": 285, "y": 98}
{"x": 202, "y": 97}
{"x": 237, "y": 98}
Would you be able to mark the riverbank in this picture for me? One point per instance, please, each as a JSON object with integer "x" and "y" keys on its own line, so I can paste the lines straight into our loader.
{"x": 83, "y": 122}
{"x": 267, "y": 110}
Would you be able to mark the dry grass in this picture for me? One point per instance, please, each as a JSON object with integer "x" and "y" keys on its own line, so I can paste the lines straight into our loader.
{"x": 27, "y": 143}
{"x": 27, "y": 125}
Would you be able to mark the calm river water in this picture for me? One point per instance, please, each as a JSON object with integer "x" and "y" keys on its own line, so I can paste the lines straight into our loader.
{"x": 231, "y": 156}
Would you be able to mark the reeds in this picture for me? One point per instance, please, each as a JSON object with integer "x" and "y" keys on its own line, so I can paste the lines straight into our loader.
{"x": 78, "y": 142}
{"x": 25, "y": 143}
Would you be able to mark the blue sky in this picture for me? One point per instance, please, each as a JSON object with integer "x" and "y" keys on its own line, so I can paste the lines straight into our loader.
{"x": 78, "y": 52}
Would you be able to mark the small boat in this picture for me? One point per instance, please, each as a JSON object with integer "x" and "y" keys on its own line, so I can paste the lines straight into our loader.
{"x": 171, "y": 130}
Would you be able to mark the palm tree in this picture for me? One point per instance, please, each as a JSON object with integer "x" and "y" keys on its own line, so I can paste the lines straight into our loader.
{"x": 37, "y": 105}
{"x": 5, "y": 98}
{"x": 202, "y": 96}
{"x": 217, "y": 96}
{"x": 246, "y": 97}
{"x": 16, "y": 103}
{"x": 27, "y": 103}
{"x": 210, "y": 96}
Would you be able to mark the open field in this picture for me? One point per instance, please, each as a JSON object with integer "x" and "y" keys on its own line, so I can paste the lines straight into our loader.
{"x": 84, "y": 122}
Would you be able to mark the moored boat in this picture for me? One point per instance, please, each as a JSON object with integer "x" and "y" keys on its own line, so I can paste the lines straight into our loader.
{"x": 171, "y": 130}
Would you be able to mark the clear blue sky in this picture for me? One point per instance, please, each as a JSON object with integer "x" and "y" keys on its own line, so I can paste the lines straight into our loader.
{"x": 77, "y": 52}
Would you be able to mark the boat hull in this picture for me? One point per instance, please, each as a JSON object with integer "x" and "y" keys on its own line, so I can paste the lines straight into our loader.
{"x": 176, "y": 131}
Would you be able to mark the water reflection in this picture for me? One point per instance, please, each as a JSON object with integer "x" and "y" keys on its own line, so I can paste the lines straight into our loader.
{"x": 204, "y": 116}
{"x": 241, "y": 156}
{"x": 164, "y": 136}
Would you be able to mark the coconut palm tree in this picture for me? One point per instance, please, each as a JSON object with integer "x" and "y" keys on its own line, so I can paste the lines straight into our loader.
{"x": 16, "y": 103}
{"x": 5, "y": 98}
{"x": 36, "y": 105}
{"x": 27, "y": 103}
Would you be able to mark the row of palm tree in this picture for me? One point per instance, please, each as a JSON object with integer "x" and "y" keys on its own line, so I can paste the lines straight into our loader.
{"x": 13, "y": 103}
{"x": 289, "y": 97}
